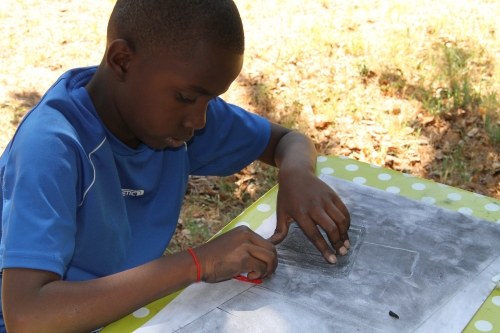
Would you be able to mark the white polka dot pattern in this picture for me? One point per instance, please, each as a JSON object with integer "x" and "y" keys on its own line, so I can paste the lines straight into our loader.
{"x": 384, "y": 176}
{"x": 263, "y": 208}
{"x": 418, "y": 186}
{"x": 141, "y": 313}
{"x": 465, "y": 210}
{"x": 483, "y": 326}
{"x": 492, "y": 207}
{"x": 429, "y": 200}
{"x": 359, "y": 180}
{"x": 327, "y": 171}
{"x": 352, "y": 167}
{"x": 393, "y": 189}
{"x": 454, "y": 196}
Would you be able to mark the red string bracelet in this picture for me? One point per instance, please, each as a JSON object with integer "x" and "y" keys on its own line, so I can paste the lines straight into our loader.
{"x": 198, "y": 278}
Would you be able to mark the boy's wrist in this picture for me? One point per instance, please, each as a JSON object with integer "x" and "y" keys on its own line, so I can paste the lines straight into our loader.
{"x": 291, "y": 171}
{"x": 197, "y": 264}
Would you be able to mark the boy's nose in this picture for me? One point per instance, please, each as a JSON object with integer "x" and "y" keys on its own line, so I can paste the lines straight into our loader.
{"x": 196, "y": 118}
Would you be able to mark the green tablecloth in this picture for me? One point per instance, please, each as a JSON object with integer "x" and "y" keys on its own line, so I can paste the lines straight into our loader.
{"x": 487, "y": 318}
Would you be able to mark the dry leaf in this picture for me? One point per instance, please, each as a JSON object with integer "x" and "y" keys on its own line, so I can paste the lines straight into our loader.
{"x": 473, "y": 132}
{"x": 438, "y": 155}
{"x": 408, "y": 130}
{"x": 495, "y": 168}
{"x": 380, "y": 130}
{"x": 446, "y": 147}
{"x": 427, "y": 120}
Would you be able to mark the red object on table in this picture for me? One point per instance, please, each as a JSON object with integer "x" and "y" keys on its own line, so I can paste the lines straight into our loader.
{"x": 245, "y": 279}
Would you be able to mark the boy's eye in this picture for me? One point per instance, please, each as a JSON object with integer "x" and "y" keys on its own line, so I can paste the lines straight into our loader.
{"x": 185, "y": 99}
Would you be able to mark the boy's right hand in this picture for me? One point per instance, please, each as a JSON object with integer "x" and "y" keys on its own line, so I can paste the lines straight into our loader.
{"x": 236, "y": 252}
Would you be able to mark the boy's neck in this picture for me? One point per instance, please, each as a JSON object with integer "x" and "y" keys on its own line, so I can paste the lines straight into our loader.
{"x": 101, "y": 92}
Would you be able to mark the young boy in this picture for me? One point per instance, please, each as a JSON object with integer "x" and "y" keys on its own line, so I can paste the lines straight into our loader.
{"x": 93, "y": 180}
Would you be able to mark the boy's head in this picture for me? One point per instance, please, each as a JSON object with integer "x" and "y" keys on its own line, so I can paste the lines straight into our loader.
{"x": 177, "y": 25}
{"x": 164, "y": 61}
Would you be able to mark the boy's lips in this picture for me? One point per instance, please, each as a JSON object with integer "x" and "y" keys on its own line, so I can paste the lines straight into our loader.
{"x": 176, "y": 142}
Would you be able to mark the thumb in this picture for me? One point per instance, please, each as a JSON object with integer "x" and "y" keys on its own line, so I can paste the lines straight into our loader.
{"x": 281, "y": 230}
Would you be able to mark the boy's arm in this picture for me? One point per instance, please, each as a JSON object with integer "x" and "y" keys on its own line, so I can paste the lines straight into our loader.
{"x": 38, "y": 301}
{"x": 302, "y": 197}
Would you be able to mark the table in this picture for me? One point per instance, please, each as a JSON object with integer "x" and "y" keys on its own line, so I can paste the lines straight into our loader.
{"x": 487, "y": 318}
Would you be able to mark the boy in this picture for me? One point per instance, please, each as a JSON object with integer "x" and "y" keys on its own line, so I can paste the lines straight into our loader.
{"x": 93, "y": 180}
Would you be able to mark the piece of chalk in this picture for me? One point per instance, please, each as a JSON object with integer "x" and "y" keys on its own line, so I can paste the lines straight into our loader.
{"x": 392, "y": 314}
{"x": 496, "y": 279}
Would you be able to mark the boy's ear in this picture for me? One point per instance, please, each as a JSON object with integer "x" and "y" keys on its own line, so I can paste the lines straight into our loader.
{"x": 118, "y": 58}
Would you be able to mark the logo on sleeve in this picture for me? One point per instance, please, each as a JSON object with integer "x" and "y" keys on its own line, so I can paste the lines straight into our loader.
{"x": 132, "y": 193}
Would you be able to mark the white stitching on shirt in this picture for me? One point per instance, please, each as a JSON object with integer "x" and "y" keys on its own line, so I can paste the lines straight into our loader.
{"x": 93, "y": 180}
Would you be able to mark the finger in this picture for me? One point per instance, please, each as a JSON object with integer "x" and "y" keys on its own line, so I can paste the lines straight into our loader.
{"x": 266, "y": 262}
{"x": 255, "y": 238}
{"x": 331, "y": 229}
{"x": 281, "y": 230}
{"x": 312, "y": 232}
{"x": 340, "y": 214}
{"x": 335, "y": 199}
{"x": 334, "y": 215}
{"x": 268, "y": 255}
{"x": 339, "y": 204}
{"x": 259, "y": 248}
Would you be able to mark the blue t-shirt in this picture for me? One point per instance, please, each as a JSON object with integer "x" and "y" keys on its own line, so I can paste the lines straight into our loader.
{"x": 80, "y": 203}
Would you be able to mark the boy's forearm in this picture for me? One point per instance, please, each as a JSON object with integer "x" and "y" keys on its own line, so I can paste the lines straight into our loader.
{"x": 295, "y": 152}
{"x": 289, "y": 150}
{"x": 61, "y": 306}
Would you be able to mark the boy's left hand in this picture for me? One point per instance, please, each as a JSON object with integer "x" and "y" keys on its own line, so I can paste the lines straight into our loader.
{"x": 306, "y": 199}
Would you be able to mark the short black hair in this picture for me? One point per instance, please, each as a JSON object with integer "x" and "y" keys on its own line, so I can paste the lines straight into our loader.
{"x": 176, "y": 25}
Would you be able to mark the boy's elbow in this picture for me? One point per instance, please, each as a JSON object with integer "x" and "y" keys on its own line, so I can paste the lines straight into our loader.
{"x": 24, "y": 310}
{"x": 20, "y": 323}
{"x": 26, "y": 321}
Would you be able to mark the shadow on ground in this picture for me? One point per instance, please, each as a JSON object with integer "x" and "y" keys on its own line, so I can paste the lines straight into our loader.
{"x": 20, "y": 103}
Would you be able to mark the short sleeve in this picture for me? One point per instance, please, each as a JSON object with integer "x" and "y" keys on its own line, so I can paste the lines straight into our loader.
{"x": 231, "y": 139}
{"x": 39, "y": 189}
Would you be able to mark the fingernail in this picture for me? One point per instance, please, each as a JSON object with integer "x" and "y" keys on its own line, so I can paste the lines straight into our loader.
{"x": 347, "y": 244}
{"x": 332, "y": 258}
{"x": 342, "y": 250}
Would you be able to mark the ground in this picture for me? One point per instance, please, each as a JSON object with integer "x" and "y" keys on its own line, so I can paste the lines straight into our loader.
{"x": 411, "y": 86}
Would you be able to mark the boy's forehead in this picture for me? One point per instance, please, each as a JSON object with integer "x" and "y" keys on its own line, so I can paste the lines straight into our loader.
{"x": 206, "y": 69}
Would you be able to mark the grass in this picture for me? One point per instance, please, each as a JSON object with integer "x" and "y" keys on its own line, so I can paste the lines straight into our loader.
{"x": 396, "y": 83}
{"x": 213, "y": 202}
{"x": 493, "y": 130}
{"x": 389, "y": 65}
{"x": 453, "y": 82}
